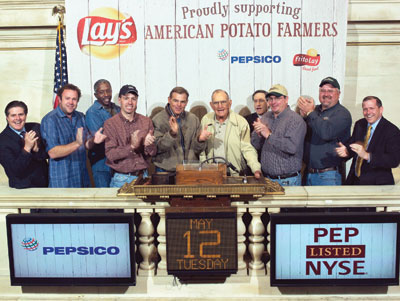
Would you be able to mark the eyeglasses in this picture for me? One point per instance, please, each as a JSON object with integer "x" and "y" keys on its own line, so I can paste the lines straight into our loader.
{"x": 222, "y": 103}
{"x": 272, "y": 98}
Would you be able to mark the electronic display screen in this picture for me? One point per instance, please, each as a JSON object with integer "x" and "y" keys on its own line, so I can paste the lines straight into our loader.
{"x": 334, "y": 249}
{"x": 201, "y": 243}
{"x": 71, "y": 249}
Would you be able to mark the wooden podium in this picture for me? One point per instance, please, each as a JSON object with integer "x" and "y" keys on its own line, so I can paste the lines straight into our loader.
{"x": 209, "y": 174}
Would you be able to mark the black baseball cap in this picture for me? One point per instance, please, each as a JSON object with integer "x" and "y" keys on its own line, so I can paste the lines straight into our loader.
{"x": 330, "y": 80}
{"x": 128, "y": 89}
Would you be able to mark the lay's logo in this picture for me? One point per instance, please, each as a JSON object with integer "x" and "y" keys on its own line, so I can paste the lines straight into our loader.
{"x": 106, "y": 33}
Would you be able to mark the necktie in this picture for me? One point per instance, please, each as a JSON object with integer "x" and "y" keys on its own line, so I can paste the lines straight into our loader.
{"x": 359, "y": 159}
{"x": 22, "y": 134}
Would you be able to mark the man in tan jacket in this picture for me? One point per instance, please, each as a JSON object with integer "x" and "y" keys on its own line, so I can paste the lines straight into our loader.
{"x": 229, "y": 136}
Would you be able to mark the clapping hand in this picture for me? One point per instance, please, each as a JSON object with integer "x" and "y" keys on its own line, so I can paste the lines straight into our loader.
{"x": 305, "y": 105}
{"x": 30, "y": 140}
{"x": 359, "y": 149}
{"x": 135, "y": 140}
{"x": 79, "y": 136}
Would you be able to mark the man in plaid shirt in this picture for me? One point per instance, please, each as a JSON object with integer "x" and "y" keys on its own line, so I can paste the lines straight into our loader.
{"x": 67, "y": 138}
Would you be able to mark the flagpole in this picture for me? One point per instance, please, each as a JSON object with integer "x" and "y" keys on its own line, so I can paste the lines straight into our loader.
{"x": 60, "y": 67}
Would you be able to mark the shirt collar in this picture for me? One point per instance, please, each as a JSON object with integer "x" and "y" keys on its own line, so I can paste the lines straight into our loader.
{"x": 135, "y": 116}
{"x": 283, "y": 113}
{"x": 320, "y": 107}
{"x": 60, "y": 113}
{"x": 170, "y": 113}
{"x": 99, "y": 106}
{"x": 375, "y": 124}
{"x": 17, "y": 132}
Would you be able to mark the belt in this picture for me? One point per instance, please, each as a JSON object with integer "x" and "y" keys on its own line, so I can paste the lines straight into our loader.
{"x": 285, "y": 176}
{"x": 135, "y": 173}
{"x": 315, "y": 170}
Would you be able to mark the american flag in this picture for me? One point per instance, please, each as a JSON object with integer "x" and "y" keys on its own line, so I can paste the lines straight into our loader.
{"x": 60, "y": 66}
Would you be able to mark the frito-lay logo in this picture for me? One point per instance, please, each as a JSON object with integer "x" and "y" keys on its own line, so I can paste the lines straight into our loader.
{"x": 312, "y": 58}
{"x": 106, "y": 33}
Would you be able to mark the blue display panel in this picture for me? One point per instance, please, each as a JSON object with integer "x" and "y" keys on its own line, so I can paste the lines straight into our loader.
{"x": 75, "y": 249}
{"x": 334, "y": 249}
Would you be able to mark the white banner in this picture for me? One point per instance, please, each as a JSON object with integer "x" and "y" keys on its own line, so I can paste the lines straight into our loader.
{"x": 239, "y": 46}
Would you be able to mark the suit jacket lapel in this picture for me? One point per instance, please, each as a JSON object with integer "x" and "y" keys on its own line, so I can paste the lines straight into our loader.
{"x": 13, "y": 135}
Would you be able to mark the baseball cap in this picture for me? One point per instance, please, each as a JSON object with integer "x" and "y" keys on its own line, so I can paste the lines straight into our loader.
{"x": 128, "y": 89}
{"x": 330, "y": 80}
{"x": 277, "y": 90}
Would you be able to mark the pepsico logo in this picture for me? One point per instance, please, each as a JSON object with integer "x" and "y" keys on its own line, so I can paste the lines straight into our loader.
{"x": 106, "y": 33}
{"x": 223, "y": 54}
{"x": 312, "y": 58}
{"x": 30, "y": 244}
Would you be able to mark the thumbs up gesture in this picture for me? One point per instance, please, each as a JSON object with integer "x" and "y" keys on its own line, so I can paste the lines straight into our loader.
{"x": 341, "y": 150}
{"x": 204, "y": 134}
{"x": 149, "y": 139}
{"x": 261, "y": 129}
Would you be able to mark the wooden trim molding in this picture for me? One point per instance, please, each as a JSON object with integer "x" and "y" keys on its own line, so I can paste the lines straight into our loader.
{"x": 374, "y": 10}
{"x": 27, "y": 39}
{"x": 374, "y": 33}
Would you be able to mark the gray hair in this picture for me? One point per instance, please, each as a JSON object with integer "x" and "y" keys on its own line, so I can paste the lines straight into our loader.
{"x": 218, "y": 91}
{"x": 99, "y": 82}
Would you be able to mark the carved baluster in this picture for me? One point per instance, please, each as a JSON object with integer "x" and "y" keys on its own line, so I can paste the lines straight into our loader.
{"x": 241, "y": 238}
{"x": 146, "y": 239}
{"x": 270, "y": 210}
{"x": 256, "y": 246}
{"x": 162, "y": 244}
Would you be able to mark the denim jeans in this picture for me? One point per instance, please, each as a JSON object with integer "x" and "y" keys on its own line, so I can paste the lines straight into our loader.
{"x": 292, "y": 181}
{"x": 328, "y": 178}
{"x": 119, "y": 179}
{"x": 101, "y": 178}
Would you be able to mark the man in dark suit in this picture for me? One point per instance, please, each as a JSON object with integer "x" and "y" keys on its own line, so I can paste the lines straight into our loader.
{"x": 260, "y": 107}
{"x": 374, "y": 147}
{"x": 22, "y": 153}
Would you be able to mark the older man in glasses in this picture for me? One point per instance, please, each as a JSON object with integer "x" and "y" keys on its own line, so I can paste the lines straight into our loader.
{"x": 229, "y": 136}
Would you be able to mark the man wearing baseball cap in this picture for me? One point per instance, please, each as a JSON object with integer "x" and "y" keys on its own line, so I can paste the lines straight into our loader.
{"x": 279, "y": 134}
{"x": 130, "y": 140}
{"x": 328, "y": 124}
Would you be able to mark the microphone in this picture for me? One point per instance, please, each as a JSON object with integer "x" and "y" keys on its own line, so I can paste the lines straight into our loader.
{"x": 228, "y": 164}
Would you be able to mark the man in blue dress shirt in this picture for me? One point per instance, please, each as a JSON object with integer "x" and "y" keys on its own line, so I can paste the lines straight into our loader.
{"x": 101, "y": 110}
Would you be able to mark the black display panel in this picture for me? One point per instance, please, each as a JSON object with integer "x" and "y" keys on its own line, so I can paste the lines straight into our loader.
{"x": 201, "y": 243}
